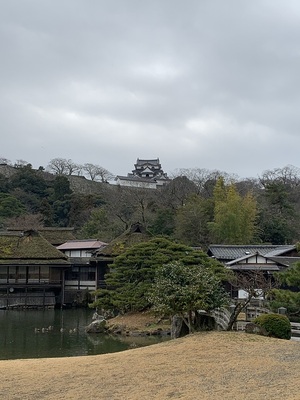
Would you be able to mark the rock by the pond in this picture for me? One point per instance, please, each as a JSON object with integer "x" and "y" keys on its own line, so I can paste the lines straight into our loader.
{"x": 97, "y": 326}
{"x": 97, "y": 317}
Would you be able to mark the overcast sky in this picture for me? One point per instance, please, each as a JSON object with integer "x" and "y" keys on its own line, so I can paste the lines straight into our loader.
{"x": 198, "y": 83}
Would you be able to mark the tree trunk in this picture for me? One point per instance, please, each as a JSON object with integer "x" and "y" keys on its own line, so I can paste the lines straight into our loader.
{"x": 179, "y": 327}
{"x": 190, "y": 321}
{"x": 238, "y": 308}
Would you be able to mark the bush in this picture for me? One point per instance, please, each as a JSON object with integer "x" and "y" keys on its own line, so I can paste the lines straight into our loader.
{"x": 276, "y": 325}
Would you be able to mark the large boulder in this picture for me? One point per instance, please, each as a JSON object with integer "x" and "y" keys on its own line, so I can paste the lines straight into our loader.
{"x": 257, "y": 329}
{"x": 97, "y": 326}
{"x": 97, "y": 317}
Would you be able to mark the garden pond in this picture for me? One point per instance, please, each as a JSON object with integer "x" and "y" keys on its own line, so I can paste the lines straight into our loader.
{"x": 57, "y": 333}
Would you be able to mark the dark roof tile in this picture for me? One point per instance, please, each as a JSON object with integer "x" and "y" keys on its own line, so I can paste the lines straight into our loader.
{"x": 232, "y": 252}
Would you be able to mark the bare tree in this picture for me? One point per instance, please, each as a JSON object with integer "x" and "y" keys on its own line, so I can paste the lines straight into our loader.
{"x": 4, "y": 160}
{"x": 57, "y": 166}
{"x": 62, "y": 166}
{"x": 21, "y": 163}
{"x": 204, "y": 178}
{"x": 25, "y": 222}
{"x": 248, "y": 185}
{"x": 96, "y": 172}
{"x": 256, "y": 284}
{"x": 122, "y": 205}
{"x": 176, "y": 193}
{"x": 72, "y": 167}
{"x": 288, "y": 175}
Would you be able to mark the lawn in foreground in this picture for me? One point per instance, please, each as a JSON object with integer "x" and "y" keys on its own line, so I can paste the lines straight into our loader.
{"x": 211, "y": 365}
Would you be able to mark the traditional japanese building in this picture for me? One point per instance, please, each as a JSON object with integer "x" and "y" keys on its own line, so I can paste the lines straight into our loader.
{"x": 146, "y": 174}
{"x": 82, "y": 275}
{"x": 31, "y": 271}
{"x": 254, "y": 259}
{"x": 90, "y": 260}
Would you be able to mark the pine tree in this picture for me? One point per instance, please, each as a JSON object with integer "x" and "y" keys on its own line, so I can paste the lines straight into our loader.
{"x": 132, "y": 273}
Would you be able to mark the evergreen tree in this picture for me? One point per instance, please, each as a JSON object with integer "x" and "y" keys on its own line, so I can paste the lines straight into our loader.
{"x": 182, "y": 290}
{"x": 10, "y": 206}
{"x": 163, "y": 223}
{"x": 100, "y": 226}
{"x": 278, "y": 215}
{"x": 132, "y": 273}
{"x": 30, "y": 181}
{"x": 61, "y": 187}
{"x": 289, "y": 295}
{"x": 192, "y": 221}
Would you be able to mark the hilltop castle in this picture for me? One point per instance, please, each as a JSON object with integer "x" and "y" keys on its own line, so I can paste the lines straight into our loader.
{"x": 147, "y": 174}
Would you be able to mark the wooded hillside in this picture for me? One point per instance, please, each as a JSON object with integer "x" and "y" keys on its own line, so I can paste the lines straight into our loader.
{"x": 197, "y": 207}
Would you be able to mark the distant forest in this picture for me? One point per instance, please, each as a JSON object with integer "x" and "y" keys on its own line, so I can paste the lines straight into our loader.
{"x": 198, "y": 207}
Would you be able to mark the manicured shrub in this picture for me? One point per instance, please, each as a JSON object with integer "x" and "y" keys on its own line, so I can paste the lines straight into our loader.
{"x": 276, "y": 325}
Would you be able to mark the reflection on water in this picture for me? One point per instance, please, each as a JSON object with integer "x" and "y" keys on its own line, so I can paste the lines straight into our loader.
{"x": 55, "y": 333}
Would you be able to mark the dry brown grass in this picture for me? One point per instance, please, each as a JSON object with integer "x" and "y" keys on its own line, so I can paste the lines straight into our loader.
{"x": 142, "y": 322}
{"x": 213, "y": 365}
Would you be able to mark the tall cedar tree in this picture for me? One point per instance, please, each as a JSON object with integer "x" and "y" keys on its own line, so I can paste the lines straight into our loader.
{"x": 192, "y": 221}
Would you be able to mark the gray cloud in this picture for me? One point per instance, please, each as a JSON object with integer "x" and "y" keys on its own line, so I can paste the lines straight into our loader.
{"x": 196, "y": 83}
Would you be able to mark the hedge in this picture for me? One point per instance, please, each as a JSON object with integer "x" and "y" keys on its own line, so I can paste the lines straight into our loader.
{"x": 276, "y": 325}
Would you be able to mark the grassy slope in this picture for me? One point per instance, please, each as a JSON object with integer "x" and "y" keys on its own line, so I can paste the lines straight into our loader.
{"x": 214, "y": 365}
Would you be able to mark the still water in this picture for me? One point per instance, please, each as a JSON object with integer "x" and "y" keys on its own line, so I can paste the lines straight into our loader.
{"x": 56, "y": 333}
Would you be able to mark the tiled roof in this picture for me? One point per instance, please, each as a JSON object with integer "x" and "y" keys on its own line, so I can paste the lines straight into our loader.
{"x": 280, "y": 250}
{"x": 287, "y": 261}
{"x": 87, "y": 244}
{"x": 153, "y": 162}
{"x": 230, "y": 252}
{"x": 237, "y": 260}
